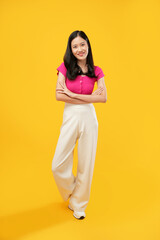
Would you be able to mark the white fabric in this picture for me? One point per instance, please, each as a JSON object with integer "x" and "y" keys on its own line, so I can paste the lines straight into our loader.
{"x": 79, "y": 123}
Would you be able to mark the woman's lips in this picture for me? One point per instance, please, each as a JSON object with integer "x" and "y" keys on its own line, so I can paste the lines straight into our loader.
{"x": 81, "y": 54}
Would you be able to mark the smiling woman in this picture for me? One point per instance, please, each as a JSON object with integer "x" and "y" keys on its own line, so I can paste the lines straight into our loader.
{"x": 77, "y": 75}
{"x": 79, "y": 48}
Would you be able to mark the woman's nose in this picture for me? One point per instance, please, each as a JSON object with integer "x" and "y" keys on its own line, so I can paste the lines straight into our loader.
{"x": 79, "y": 49}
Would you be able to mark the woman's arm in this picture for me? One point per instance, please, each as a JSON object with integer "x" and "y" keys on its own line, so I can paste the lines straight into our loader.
{"x": 64, "y": 94}
{"x": 63, "y": 97}
{"x": 94, "y": 98}
{"x": 100, "y": 96}
{"x": 90, "y": 98}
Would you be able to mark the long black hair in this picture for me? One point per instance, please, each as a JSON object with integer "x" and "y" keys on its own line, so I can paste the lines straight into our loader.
{"x": 70, "y": 61}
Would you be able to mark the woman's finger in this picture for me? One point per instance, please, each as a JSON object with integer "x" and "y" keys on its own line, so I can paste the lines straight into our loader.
{"x": 59, "y": 90}
{"x": 100, "y": 90}
{"x": 61, "y": 84}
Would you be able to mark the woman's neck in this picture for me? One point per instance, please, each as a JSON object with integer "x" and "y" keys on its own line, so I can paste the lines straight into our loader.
{"x": 82, "y": 63}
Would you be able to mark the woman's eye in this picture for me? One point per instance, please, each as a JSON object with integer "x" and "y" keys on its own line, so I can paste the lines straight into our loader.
{"x": 81, "y": 45}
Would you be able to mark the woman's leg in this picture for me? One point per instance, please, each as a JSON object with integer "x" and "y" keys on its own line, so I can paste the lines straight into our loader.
{"x": 63, "y": 158}
{"x": 87, "y": 145}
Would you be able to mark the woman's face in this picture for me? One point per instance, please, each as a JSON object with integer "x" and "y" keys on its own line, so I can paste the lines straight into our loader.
{"x": 79, "y": 48}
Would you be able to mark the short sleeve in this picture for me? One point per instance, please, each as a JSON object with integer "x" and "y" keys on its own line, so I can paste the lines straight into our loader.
{"x": 62, "y": 69}
{"x": 99, "y": 73}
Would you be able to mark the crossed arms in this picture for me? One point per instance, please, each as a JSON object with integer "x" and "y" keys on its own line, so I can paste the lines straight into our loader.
{"x": 64, "y": 94}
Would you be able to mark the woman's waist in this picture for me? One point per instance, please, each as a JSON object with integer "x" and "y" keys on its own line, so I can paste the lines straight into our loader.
{"x": 78, "y": 106}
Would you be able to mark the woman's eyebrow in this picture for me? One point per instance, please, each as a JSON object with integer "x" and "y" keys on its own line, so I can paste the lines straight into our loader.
{"x": 76, "y": 44}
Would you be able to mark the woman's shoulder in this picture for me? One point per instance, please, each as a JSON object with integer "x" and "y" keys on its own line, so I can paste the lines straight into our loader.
{"x": 62, "y": 65}
{"x": 62, "y": 68}
{"x": 97, "y": 68}
{"x": 98, "y": 72}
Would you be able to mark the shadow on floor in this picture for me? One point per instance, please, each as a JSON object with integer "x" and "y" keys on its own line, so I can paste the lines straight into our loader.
{"x": 21, "y": 224}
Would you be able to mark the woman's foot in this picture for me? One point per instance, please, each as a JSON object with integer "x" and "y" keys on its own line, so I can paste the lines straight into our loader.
{"x": 76, "y": 214}
{"x": 79, "y": 215}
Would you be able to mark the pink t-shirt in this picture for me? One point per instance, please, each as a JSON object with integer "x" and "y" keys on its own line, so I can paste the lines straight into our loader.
{"x": 81, "y": 84}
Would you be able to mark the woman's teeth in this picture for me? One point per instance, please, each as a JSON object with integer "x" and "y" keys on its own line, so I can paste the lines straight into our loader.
{"x": 81, "y": 54}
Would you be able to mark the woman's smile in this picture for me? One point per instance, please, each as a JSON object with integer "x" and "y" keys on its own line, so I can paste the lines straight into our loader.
{"x": 81, "y": 54}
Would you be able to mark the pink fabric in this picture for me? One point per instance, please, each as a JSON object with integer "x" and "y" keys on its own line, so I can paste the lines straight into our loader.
{"x": 82, "y": 84}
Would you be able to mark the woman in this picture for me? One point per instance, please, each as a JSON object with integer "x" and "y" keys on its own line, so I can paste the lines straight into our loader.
{"x": 76, "y": 78}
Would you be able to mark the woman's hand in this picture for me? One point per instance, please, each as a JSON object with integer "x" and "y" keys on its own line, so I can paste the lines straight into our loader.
{"x": 65, "y": 90}
{"x": 98, "y": 91}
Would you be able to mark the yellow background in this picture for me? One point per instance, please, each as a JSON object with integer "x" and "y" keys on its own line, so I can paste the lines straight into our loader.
{"x": 125, "y": 195}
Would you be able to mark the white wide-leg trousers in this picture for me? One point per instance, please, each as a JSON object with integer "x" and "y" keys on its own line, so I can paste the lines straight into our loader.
{"x": 79, "y": 123}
